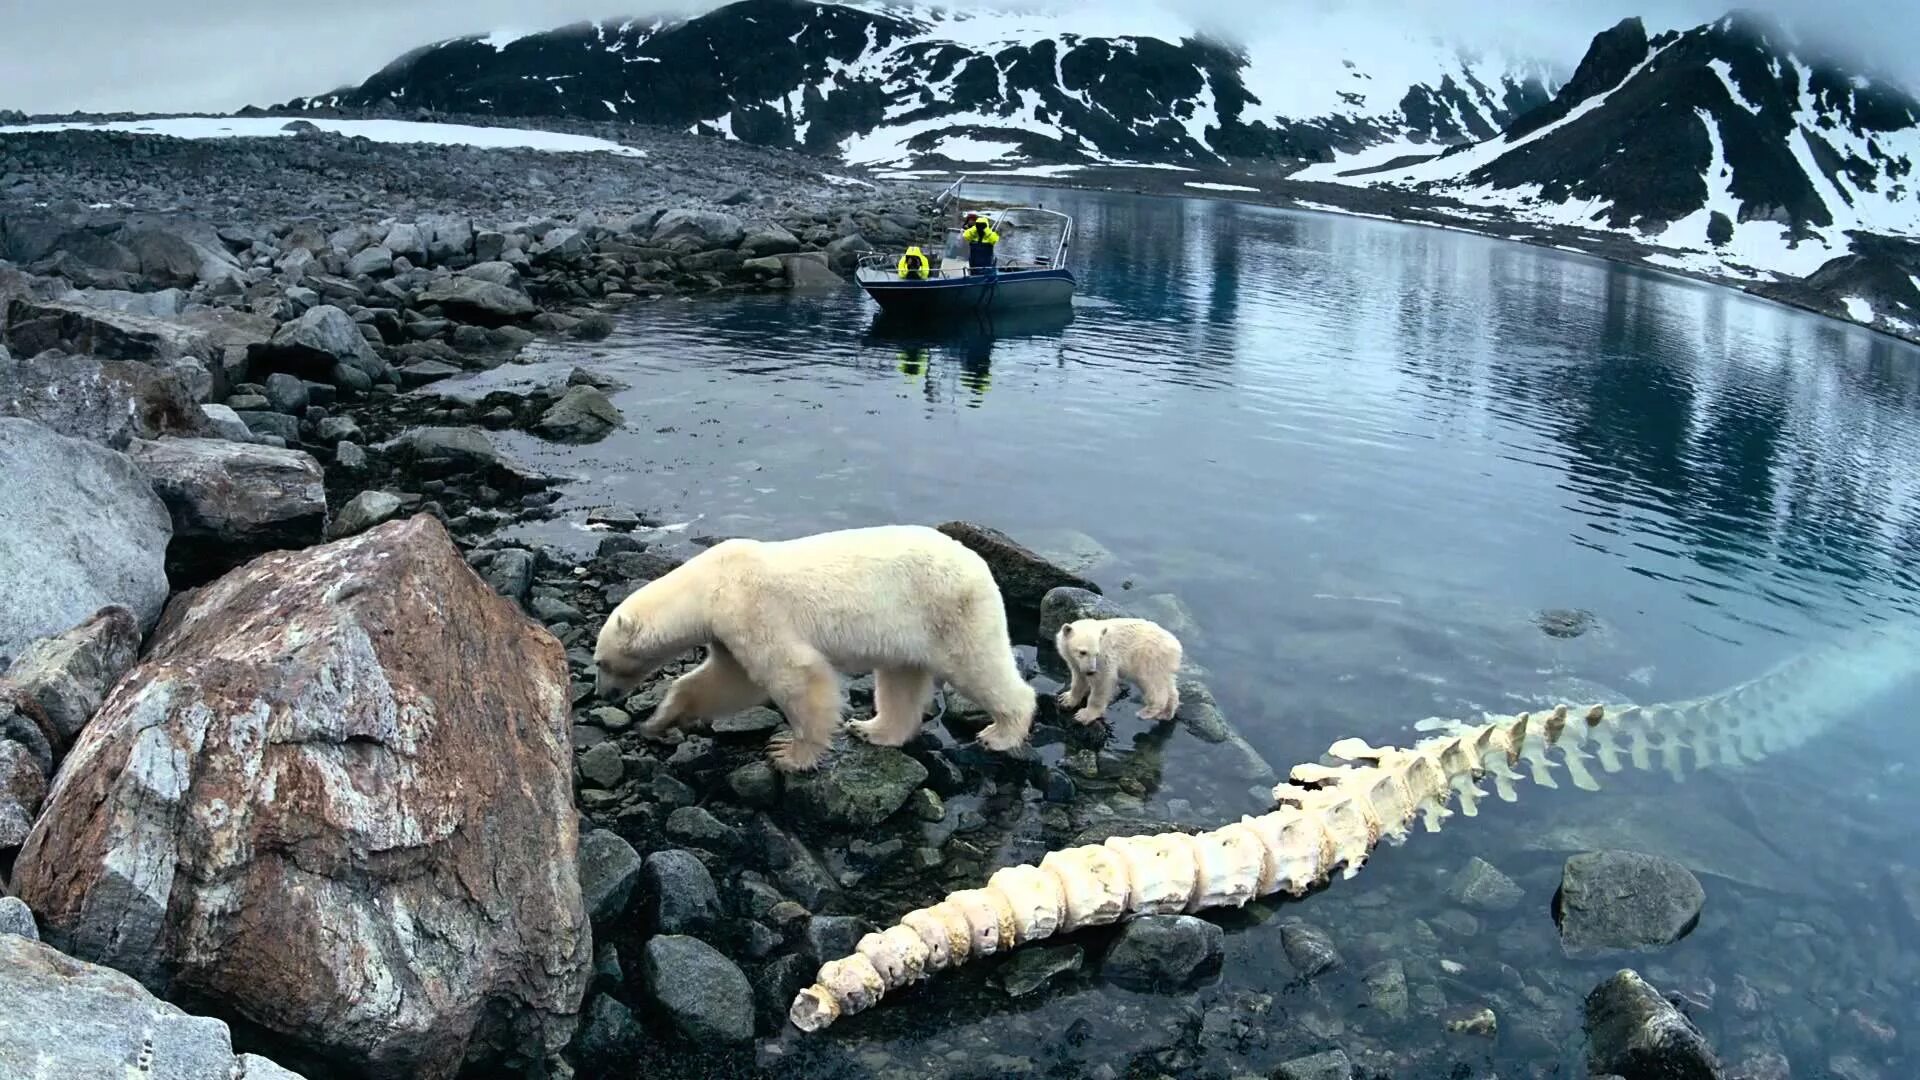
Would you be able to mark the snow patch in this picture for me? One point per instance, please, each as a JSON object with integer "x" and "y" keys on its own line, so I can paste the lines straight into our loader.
{"x": 502, "y": 38}
{"x": 1858, "y": 310}
{"x": 1204, "y": 186}
{"x": 385, "y": 131}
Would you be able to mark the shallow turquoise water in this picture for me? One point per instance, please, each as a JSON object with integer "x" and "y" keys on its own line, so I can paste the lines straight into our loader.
{"x": 1360, "y": 458}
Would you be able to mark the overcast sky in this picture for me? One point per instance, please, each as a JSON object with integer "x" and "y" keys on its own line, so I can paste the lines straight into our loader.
{"x": 218, "y": 55}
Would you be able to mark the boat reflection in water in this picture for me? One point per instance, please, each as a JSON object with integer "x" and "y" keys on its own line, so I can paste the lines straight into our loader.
{"x": 956, "y": 354}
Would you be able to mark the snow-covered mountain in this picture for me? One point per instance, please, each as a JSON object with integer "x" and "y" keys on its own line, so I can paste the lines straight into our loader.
{"x": 889, "y": 84}
{"x": 1731, "y": 145}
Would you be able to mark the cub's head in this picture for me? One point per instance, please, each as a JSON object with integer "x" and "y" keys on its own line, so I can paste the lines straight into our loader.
{"x": 1078, "y": 643}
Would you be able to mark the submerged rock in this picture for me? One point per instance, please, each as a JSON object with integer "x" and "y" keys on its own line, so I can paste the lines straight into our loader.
{"x": 1028, "y": 970}
{"x": 84, "y": 1020}
{"x": 1326, "y": 1065}
{"x": 1308, "y": 948}
{"x": 231, "y": 501}
{"x": 1164, "y": 952}
{"x": 707, "y": 997}
{"x": 1624, "y": 901}
{"x": 80, "y": 529}
{"x": 317, "y": 740}
{"x": 1636, "y": 1034}
{"x": 1482, "y": 887}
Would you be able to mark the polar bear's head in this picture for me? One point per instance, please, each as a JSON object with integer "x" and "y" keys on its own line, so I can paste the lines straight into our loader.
{"x": 1078, "y": 643}
{"x": 622, "y": 660}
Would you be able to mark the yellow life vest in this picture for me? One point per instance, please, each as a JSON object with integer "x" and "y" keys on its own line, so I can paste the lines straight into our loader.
{"x": 913, "y": 264}
{"x": 981, "y": 233}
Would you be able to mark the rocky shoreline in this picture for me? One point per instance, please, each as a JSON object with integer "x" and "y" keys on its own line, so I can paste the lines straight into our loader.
{"x": 291, "y": 740}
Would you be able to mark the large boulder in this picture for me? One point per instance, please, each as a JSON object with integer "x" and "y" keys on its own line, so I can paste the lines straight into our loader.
{"x": 1024, "y": 577}
{"x": 231, "y": 501}
{"x": 184, "y": 254}
{"x": 857, "y": 788}
{"x": 68, "y": 675}
{"x": 34, "y": 326}
{"x": 1614, "y": 902}
{"x": 706, "y": 996}
{"x": 702, "y": 228}
{"x": 448, "y": 237}
{"x": 65, "y": 1017}
{"x": 440, "y": 450}
{"x": 1635, "y": 1033}
{"x": 106, "y": 401}
{"x": 771, "y": 240}
{"x": 311, "y": 345}
{"x": 80, "y": 528}
{"x": 335, "y": 799}
{"x": 474, "y": 300}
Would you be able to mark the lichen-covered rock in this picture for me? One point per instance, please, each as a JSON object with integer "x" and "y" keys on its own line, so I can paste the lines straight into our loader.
{"x": 1635, "y": 1033}
{"x": 80, "y": 528}
{"x": 68, "y": 675}
{"x": 231, "y": 501}
{"x": 335, "y": 797}
{"x": 106, "y": 401}
{"x": 859, "y": 787}
{"x": 67, "y": 1018}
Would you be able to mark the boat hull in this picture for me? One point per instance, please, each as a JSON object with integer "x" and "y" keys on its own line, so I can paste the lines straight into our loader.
{"x": 1004, "y": 291}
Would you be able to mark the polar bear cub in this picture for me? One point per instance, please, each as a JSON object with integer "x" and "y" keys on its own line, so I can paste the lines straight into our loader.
{"x": 783, "y": 619}
{"x": 1101, "y": 652}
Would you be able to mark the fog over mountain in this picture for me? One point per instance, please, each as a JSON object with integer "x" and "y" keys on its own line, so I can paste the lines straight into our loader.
{"x": 222, "y": 54}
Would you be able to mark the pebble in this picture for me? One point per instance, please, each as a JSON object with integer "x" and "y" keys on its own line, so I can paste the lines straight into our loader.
{"x": 612, "y": 718}
{"x": 748, "y": 722}
{"x": 830, "y": 937}
{"x": 678, "y": 893}
{"x": 755, "y": 784}
{"x": 1308, "y": 948}
{"x": 1028, "y": 970}
{"x": 694, "y": 825}
{"x": 1482, "y": 887}
{"x": 602, "y": 765}
{"x": 1161, "y": 951}
{"x": 926, "y": 805}
{"x": 1326, "y": 1065}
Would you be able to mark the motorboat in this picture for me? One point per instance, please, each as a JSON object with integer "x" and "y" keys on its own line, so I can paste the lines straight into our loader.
{"x": 1029, "y": 264}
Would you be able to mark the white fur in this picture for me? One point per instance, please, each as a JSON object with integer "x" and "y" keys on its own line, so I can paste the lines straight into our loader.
{"x": 1101, "y": 652}
{"x": 783, "y": 619}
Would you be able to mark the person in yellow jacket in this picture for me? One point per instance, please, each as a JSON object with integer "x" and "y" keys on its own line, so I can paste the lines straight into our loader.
{"x": 914, "y": 263}
{"x": 980, "y": 239}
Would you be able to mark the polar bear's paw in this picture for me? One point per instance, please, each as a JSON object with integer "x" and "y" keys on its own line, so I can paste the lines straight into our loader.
{"x": 791, "y": 755}
{"x": 881, "y": 732}
{"x": 1090, "y": 715}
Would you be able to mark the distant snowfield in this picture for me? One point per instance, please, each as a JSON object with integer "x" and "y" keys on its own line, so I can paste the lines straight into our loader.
{"x": 1205, "y": 186}
{"x": 386, "y": 131}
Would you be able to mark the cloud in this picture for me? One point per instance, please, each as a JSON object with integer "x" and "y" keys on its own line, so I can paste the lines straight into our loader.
{"x": 217, "y": 55}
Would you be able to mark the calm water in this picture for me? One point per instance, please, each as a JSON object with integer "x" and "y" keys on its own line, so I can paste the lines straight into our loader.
{"x": 1351, "y": 461}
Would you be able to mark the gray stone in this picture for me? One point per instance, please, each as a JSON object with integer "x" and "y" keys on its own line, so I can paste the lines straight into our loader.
{"x": 80, "y": 528}
{"x": 592, "y": 327}
{"x": 106, "y": 401}
{"x": 708, "y": 998}
{"x": 610, "y": 1038}
{"x": 195, "y": 376}
{"x": 114, "y": 335}
{"x": 560, "y": 245}
{"x": 363, "y": 512}
{"x": 1164, "y": 952}
{"x": 1634, "y": 1032}
{"x": 407, "y": 240}
{"x": 697, "y": 826}
{"x": 830, "y": 937}
{"x": 755, "y": 784}
{"x": 350, "y": 456}
{"x": 24, "y": 770}
{"x": 808, "y": 274}
{"x": 679, "y": 893}
{"x": 1483, "y": 887}
{"x": 1613, "y": 902}
{"x": 266, "y": 425}
{"x": 704, "y": 228}
{"x": 1308, "y": 948}
{"x": 747, "y": 722}
{"x": 17, "y": 918}
{"x": 1387, "y": 989}
{"x": 601, "y": 766}
{"x": 582, "y": 414}
{"x": 772, "y": 240}
{"x": 1023, "y": 576}
{"x": 511, "y": 573}
{"x": 473, "y": 300}
{"x": 83, "y": 1020}
{"x": 609, "y": 869}
{"x": 496, "y": 273}
{"x": 1071, "y": 604}
{"x": 372, "y": 262}
{"x": 448, "y": 237}
{"x": 1326, "y": 1065}
{"x": 858, "y": 787}
{"x": 335, "y": 429}
{"x": 314, "y": 343}
{"x": 68, "y": 675}
{"x": 287, "y": 394}
{"x": 422, "y": 372}
{"x": 226, "y": 423}
{"x": 231, "y": 501}
{"x": 464, "y": 448}
{"x": 255, "y": 1067}
{"x": 1030, "y": 969}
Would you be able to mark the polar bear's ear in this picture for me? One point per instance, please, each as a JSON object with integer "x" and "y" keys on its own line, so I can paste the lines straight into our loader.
{"x": 1066, "y": 630}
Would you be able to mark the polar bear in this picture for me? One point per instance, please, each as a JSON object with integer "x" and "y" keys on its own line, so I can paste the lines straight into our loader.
{"x": 782, "y": 619}
{"x": 1101, "y": 652}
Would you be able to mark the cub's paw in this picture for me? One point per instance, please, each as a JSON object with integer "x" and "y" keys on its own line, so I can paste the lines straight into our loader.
{"x": 879, "y": 732}
{"x": 791, "y": 755}
{"x": 1090, "y": 715}
{"x": 1001, "y": 739}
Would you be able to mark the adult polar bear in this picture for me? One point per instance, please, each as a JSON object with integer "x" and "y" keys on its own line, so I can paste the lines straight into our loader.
{"x": 782, "y": 619}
